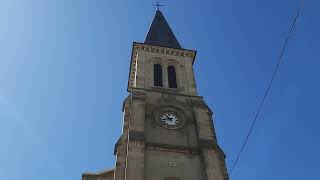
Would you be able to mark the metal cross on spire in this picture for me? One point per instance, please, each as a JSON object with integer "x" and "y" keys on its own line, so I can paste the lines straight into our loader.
{"x": 158, "y": 5}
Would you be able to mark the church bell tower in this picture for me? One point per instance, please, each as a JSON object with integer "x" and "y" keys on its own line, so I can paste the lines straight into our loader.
{"x": 168, "y": 131}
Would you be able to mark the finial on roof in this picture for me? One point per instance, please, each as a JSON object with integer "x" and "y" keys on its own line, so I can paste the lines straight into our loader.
{"x": 158, "y": 5}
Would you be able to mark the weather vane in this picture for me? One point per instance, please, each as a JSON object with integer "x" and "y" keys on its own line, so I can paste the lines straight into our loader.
{"x": 158, "y": 5}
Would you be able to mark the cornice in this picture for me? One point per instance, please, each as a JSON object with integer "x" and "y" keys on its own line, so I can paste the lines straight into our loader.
{"x": 172, "y": 148}
{"x": 165, "y": 50}
{"x": 168, "y": 91}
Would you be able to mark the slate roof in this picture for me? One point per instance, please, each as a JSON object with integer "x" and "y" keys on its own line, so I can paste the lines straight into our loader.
{"x": 160, "y": 33}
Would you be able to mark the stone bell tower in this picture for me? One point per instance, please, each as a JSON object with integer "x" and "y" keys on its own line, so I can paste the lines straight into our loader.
{"x": 168, "y": 131}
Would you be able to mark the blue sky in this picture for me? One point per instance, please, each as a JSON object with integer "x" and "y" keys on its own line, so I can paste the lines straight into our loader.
{"x": 64, "y": 68}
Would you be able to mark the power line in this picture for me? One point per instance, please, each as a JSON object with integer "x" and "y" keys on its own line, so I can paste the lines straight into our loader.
{"x": 269, "y": 85}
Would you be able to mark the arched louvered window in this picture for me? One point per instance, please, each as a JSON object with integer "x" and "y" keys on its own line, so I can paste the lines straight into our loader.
{"x": 172, "y": 77}
{"x": 157, "y": 75}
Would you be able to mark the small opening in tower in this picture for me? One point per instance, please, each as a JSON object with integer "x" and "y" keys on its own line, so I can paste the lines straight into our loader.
{"x": 157, "y": 76}
{"x": 172, "y": 77}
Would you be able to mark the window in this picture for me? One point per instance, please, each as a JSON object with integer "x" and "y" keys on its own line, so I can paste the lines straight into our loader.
{"x": 172, "y": 77}
{"x": 157, "y": 75}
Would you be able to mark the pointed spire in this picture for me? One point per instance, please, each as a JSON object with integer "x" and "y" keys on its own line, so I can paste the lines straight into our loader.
{"x": 160, "y": 33}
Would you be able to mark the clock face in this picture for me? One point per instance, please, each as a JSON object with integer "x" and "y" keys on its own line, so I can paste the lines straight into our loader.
{"x": 171, "y": 118}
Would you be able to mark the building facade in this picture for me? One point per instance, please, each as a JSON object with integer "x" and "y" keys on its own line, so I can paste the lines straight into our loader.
{"x": 168, "y": 131}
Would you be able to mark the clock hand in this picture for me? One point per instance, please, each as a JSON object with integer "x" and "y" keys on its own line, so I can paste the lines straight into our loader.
{"x": 168, "y": 116}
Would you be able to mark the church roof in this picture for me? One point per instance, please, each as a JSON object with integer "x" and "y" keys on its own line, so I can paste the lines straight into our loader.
{"x": 104, "y": 173}
{"x": 160, "y": 33}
